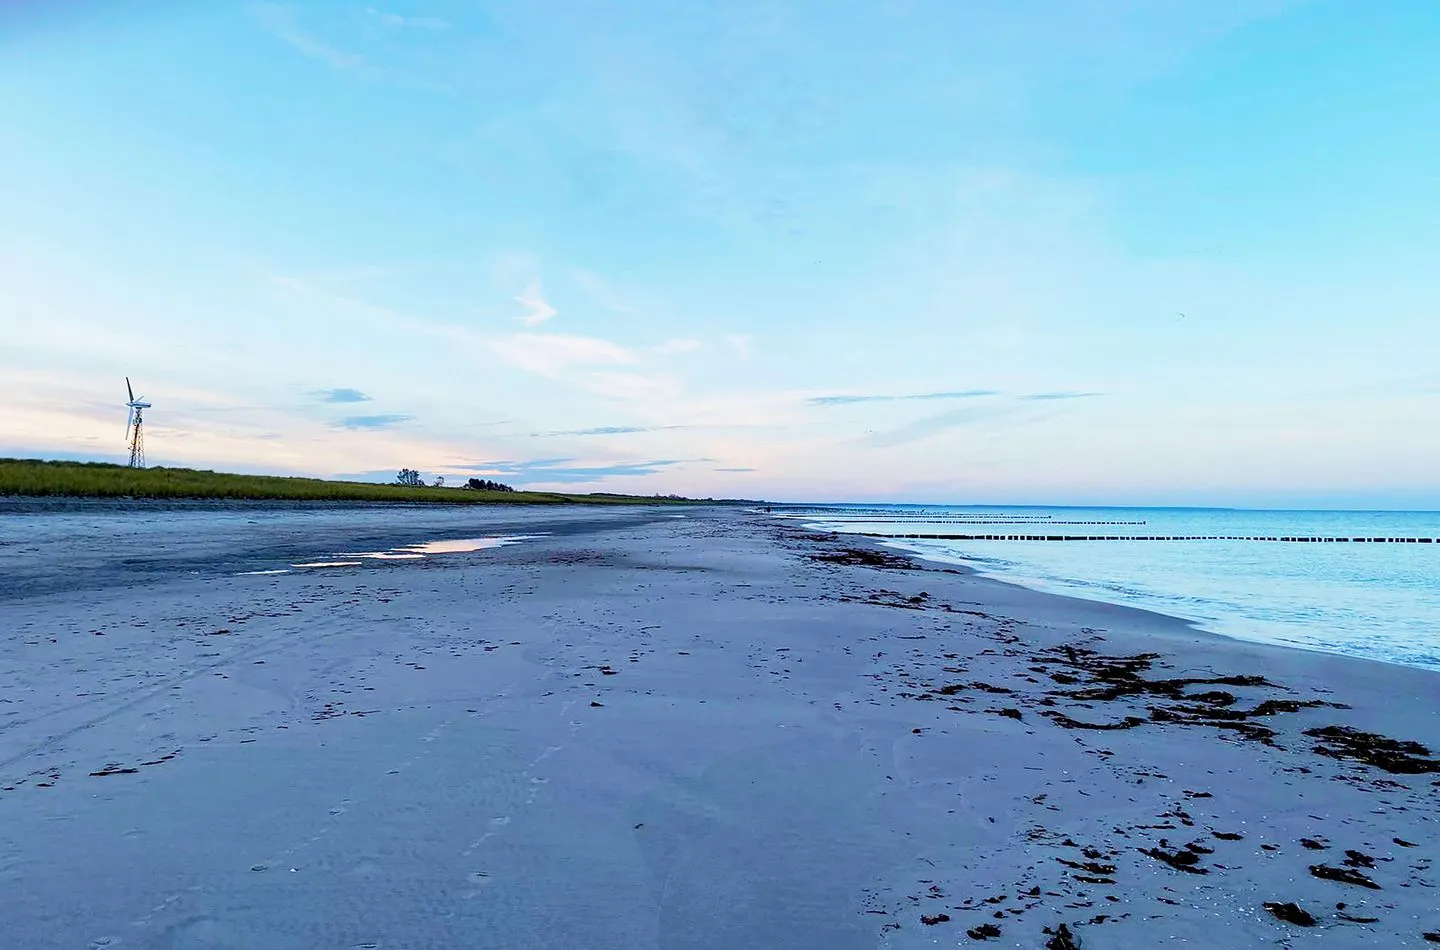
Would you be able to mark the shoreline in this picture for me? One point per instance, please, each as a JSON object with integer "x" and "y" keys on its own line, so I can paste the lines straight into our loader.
{"x": 1198, "y": 626}
{"x": 1156, "y": 621}
{"x": 1233, "y": 612}
{"x": 700, "y": 732}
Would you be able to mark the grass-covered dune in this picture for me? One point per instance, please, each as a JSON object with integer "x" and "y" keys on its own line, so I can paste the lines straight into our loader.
{"x": 104, "y": 480}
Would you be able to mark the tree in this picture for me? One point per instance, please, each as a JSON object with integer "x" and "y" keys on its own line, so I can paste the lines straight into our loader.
{"x": 484, "y": 484}
{"x": 439, "y": 481}
{"x": 408, "y": 477}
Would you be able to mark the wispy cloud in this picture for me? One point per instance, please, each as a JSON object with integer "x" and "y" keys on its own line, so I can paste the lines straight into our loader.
{"x": 341, "y": 395}
{"x": 934, "y": 425}
{"x": 384, "y": 421}
{"x": 735, "y": 470}
{"x": 282, "y": 22}
{"x": 550, "y": 353}
{"x": 847, "y": 400}
{"x": 633, "y": 387}
{"x": 677, "y": 346}
{"x": 740, "y": 343}
{"x": 600, "y": 291}
{"x": 1050, "y": 397}
{"x": 538, "y": 309}
{"x": 563, "y": 471}
{"x": 603, "y": 430}
{"x": 406, "y": 22}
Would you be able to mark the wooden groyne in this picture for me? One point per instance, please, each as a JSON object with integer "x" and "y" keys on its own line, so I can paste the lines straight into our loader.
{"x": 1145, "y": 537}
{"x": 969, "y": 521}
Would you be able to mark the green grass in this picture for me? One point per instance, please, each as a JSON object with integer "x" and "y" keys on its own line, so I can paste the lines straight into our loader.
{"x": 103, "y": 480}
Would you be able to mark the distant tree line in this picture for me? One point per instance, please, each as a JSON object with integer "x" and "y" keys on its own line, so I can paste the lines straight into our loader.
{"x": 484, "y": 484}
{"x": 410, "y": 478}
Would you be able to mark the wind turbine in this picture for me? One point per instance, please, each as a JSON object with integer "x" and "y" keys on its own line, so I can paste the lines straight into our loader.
{"x": 134, "y": 431}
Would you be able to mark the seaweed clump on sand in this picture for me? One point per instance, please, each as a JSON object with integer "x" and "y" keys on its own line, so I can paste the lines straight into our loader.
{"x": 1392, "y": 755}
{"x": 1187, "y": 861}
{"x": 1342, "y": 876}
{"x": 1291, "y": 913}
{"x": 862, "y": 557}
{"x": 1061, "y": 939}
{"x": 1112, "y": 678}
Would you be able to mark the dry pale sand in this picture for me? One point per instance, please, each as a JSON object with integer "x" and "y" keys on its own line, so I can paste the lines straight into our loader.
{"x": 688, "y": 733}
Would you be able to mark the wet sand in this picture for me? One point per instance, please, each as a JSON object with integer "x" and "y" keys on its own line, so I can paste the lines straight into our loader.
{"x": 639, "y": 730}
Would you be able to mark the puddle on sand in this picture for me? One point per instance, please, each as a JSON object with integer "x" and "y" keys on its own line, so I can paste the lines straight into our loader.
{"x": 463, "y": 545}
{"x": 408, "y": 552}
{"x": 384, "y": 555}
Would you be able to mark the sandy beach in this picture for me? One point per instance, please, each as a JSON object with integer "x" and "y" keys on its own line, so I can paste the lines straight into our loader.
{"x": 642, "y": 730}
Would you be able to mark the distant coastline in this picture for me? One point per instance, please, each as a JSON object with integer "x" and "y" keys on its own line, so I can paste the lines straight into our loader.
{"x": 61, "y": 479}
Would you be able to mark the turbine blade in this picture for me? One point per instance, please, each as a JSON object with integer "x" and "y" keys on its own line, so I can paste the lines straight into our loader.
{"x": 128, "y": 389}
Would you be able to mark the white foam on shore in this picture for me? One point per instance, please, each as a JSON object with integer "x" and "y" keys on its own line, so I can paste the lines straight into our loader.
{"x": 328, "y": 564}
{"x": 259, "y": 573}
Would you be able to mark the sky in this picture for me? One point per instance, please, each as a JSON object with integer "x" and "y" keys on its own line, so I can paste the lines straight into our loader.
{"x": 967, "y": 251}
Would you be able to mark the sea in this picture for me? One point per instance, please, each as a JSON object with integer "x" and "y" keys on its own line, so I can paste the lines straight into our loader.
{"x": 1364, "y": 598}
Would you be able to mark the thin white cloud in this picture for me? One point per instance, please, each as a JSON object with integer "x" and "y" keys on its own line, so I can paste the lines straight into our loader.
{"x": 549, "y": 354}
{"x": 406, "y": 22}
{"x": 282, "y": 22}
{"x": 634, "y": 387}
{"x": 533, "y": 300}
{"x": 739, "y": 342}
{"x": 670, "y": 347}
{"x": 600, "y": 291}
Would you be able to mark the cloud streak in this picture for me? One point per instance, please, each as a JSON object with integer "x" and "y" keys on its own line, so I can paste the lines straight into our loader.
{"x": 281, "y": 22}
{"x": 383, "y": 421}
{"x": 677, "y": 346}
{"x": 603, "y": 430}
{"x": 1052, "y": 397}
{"x": 600, "y": 291}
{"x": 538, "y": 309}
{"x": 740, "y": 343}
{"x": 934, "y": 425}
{"x": 341, "y": 395}
{"x": 849, "y": 400}
{"x": 406, "y": 22}
{"x": 560, "y": 470}
{"x": 550, "y": 353}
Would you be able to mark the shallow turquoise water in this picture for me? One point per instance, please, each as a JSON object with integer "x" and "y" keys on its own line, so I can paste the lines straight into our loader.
{"x": 1380, "y": 601}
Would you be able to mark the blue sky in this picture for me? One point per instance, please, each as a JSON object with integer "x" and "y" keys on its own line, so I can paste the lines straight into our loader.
{"x": 1030, "y": 252}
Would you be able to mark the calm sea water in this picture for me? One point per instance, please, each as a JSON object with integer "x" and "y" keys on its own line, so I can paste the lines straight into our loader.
{"x": 1380, "y": 601}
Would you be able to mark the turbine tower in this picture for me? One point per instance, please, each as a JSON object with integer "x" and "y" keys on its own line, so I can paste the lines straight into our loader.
{"x": 134, "y": 428}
